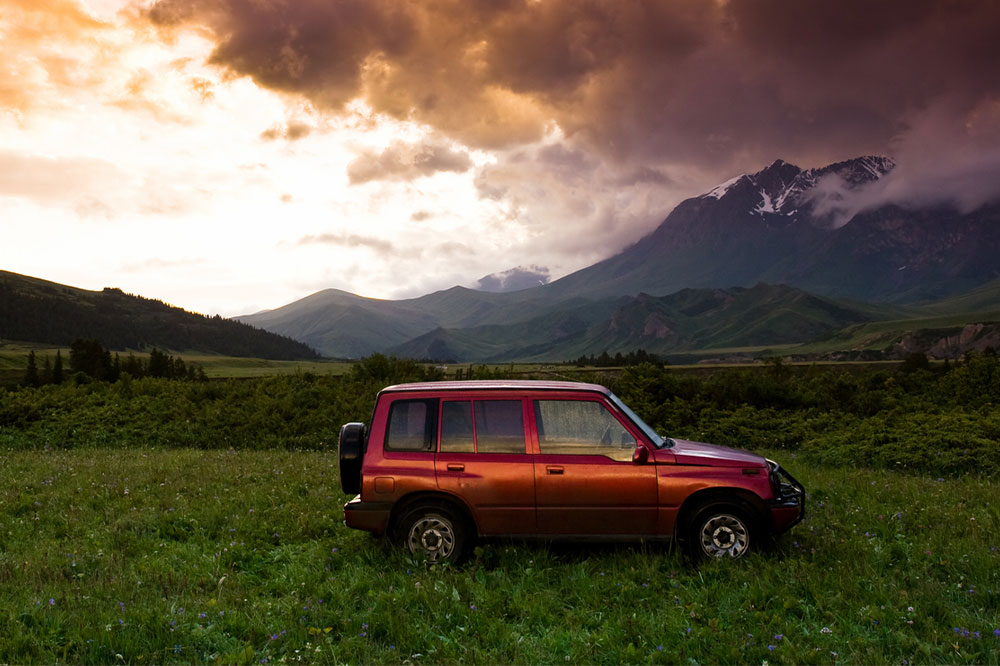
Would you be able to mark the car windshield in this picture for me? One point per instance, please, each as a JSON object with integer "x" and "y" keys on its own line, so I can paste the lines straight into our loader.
{"x": 658, "y": 441}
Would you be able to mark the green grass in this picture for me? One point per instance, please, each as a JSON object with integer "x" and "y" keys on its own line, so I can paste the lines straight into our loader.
{"x": 153, "y": 556}
{"x": 14, "y": 360}
{"x": 217, "y": 367}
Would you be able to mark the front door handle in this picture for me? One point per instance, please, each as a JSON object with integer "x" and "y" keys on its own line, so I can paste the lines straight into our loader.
{"x": 554, "y": 469}
{"x": 456, "y": 467}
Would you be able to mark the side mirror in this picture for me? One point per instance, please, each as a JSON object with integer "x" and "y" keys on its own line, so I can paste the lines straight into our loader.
{"x": 641, "y": 455}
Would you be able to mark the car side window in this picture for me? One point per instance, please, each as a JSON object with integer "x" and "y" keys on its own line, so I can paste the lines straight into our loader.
{"x": 482, "y": 426}
{"x": 411, "y": 425}
{"x": 457, "y": 435}
{"x": 581, "y": 427}
{"x": 499, "y": 426}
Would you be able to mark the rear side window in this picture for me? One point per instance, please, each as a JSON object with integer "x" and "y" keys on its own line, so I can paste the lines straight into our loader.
{"x": 482, "y": 426}
{"x": 499, "y": 426}
{"x": 457, "y": 434}
{"x": 411, "y": 425}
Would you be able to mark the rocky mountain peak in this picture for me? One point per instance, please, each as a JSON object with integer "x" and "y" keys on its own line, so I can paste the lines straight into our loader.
{"x": 783, "y": 189}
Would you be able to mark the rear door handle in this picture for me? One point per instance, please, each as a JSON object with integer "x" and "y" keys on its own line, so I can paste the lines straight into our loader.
{"x": 456, "y": 467}
{"x": 554, "y": 469}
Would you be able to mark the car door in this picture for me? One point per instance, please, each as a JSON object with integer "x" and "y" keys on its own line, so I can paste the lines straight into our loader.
{"x": 586, "y": 483}
{"x": 482, "y": 458}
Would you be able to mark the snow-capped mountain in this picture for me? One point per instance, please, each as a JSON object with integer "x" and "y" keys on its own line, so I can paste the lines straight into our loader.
{"x": 785, "y": 190}
{"x": 785, "y": 224}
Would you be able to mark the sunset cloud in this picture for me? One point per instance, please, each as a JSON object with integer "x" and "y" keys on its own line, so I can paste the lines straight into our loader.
{"x": 417, "y": 144}
{"x": 405, "y": 161}
{"x": 700, "y": 83}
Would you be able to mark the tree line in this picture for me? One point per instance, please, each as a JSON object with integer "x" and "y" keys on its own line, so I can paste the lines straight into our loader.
{"x": 89, "y": 360}
{"x": 606, "y": 360}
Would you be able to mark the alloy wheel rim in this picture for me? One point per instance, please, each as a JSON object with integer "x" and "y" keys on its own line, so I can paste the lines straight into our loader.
{"x": 724, "y": 535}
{"x": 432, "y": 535}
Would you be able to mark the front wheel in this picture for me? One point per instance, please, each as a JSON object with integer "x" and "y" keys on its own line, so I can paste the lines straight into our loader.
{"x": 434, "y": 531}
{"x": 720, "y": 530}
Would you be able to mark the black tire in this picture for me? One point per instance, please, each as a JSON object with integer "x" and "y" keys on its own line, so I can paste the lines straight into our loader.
{"x": 721, "y": 530}
{"x": 435, "y": 531}
{"x": 352, "y": 454}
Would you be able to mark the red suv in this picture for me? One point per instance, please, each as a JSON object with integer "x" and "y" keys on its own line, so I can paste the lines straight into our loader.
{"x": 446, "y": 462}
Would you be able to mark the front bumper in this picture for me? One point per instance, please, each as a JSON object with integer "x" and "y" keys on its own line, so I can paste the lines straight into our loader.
{"x": 788, "y": 507}
{"x": 369, "y": 516}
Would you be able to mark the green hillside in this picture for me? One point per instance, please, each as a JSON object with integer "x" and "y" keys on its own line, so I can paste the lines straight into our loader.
{"x": 34, "y": 310}
{"x": 689, "y": 320}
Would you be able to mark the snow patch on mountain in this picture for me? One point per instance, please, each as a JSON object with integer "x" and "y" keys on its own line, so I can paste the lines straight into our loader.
{"x": 787, "y": 190}
{"x": 719, "y": 191}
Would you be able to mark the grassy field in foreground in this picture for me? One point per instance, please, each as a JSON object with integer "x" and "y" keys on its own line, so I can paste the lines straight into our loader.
{"x": 149, "y": 556}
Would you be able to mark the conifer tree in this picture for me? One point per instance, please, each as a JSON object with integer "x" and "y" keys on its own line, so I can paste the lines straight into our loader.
{"x": 57, "y": 369}
{"x": 31, "y": 372}
{"x": 46, "y": 377}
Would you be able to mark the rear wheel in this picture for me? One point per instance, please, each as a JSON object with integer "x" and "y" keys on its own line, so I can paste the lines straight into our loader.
{"x": 721, "y": 530}
{"x": 435, "y": 531}
{"x": 352, "y": 453}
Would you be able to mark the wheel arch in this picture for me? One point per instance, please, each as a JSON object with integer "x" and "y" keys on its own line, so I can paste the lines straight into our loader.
{"x": 741, "y": 497}
{"x": 405, "y": 503}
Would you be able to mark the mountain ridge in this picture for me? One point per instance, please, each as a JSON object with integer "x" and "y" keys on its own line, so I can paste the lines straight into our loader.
{"x": 40, "y": 311}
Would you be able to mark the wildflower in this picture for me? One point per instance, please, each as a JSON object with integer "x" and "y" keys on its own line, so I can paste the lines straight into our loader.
{"x": 771, "y": 647}
{"x": 779, "y": 637}
{"x": 659, "y": 648}
{"x": 826, "y": 630}
{"x": 52, "y": 602}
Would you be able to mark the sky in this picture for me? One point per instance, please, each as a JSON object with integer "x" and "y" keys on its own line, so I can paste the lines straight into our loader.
{"x": 230, "y": 156}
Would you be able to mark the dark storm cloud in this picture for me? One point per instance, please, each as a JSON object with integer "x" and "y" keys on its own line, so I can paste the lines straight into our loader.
{"x": 717, "y": 86}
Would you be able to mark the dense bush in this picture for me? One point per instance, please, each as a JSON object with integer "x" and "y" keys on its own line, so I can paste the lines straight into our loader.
{"x": 939, "y": 421}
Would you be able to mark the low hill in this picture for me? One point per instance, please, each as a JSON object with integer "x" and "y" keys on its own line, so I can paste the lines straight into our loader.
{"x": 35, "y": 310}
{"x": 688, "y": 320}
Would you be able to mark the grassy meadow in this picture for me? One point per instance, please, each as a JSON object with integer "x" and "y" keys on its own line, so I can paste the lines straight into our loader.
{"x": 155, "y": 521}
{"x": 153, "y": 556}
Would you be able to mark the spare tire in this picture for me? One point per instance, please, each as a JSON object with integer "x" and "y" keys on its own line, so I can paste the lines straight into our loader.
{"x": 352, "y": 454}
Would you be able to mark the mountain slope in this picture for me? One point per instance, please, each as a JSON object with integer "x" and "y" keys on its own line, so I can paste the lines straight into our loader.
{"x": 688, "y": 320}
{"x": 770, "y": 226}
{"x": 39, "y": 311}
